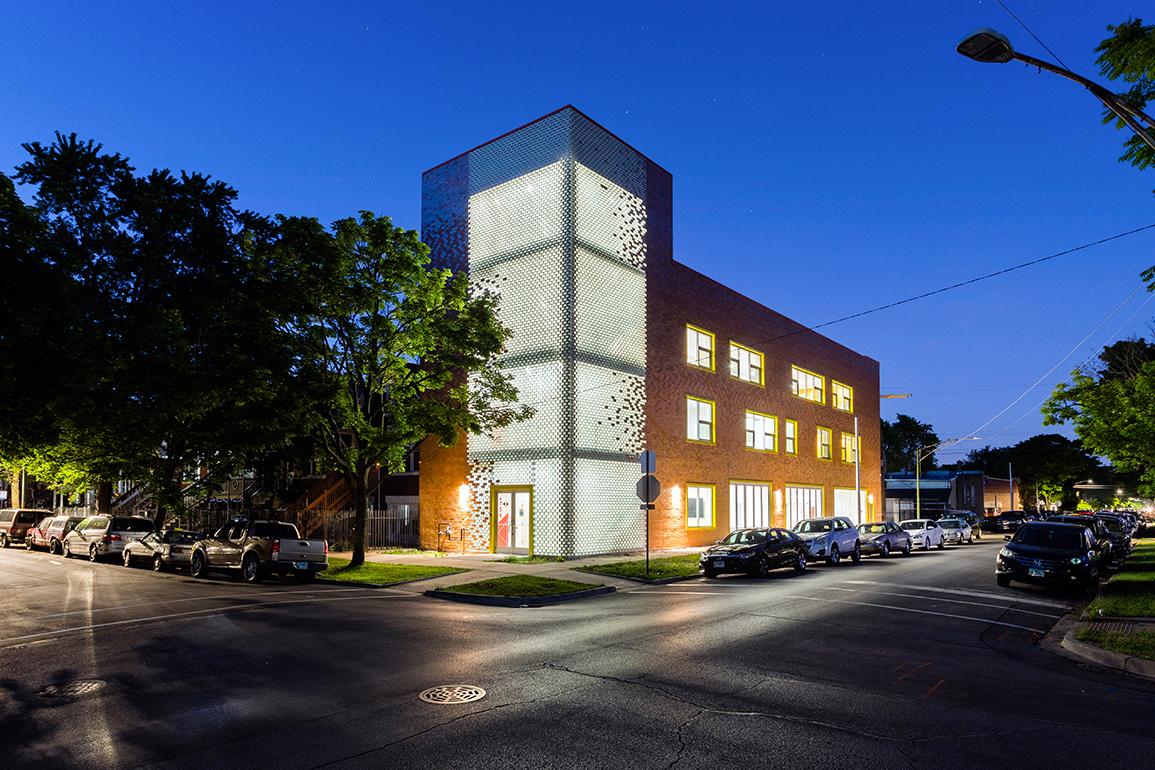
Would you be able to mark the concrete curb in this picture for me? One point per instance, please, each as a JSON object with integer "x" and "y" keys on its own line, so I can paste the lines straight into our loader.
{"x": 520, "y": 601}
{"x": 332, "y": 582}
{"x": 645, "y": 581}
{"x": 1117, "y": 660}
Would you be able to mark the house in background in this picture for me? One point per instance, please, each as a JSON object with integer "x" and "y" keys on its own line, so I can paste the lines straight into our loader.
{"x": 948, "y": 490}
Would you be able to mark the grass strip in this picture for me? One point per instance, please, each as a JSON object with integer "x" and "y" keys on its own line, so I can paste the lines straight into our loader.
{"x": 382, "y": 573}
{"x": 520, "y": 585}
{"x": 1140, "y": 644}
{"x": 665, "y": 567}
{"x": 528, "y": 559}
{"x": 1130, "y": 593}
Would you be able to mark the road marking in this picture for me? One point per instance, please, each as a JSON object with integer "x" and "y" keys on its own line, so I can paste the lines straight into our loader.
{"x": 922, "y": 612}
{"x": 218, "y": 610}
{"x": 663, "y": 593}
{"x": 932, "y": 690}
{"x": 961, "y": 592}
{"x": 952, "y": 601}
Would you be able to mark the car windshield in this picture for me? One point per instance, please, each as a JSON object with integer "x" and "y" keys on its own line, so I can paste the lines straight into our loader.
{"x": 132, "y": 525}
{"x": 745, "y": 537}
{"x": 812, "y": 525}
{"x": 1113, "y": 525}
{"x": 872, "y": 529}
{"x": 950, "y": 523}
{"x": 912, "y": 525}
{"x": 181, "y": 536}
{"x": 1063, "y": 537}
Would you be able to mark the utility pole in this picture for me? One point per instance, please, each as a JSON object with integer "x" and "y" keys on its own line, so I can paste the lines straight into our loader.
{"x": 1011, "y": 481}
{"x": 857, "y": 475}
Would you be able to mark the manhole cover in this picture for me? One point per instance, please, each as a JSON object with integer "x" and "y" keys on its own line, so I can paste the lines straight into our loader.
{"x": 448, "y": 694}
{"x": 72, "y": 689}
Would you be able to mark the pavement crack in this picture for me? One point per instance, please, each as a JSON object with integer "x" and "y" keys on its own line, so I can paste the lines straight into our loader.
{"x": 682, "y": 745}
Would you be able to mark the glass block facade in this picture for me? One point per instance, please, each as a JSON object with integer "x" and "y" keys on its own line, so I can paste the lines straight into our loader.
{"x": 559, "y": 219}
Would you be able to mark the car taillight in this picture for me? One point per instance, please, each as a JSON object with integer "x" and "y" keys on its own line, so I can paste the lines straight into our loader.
{"x": 111, "y": 538}
{"x": 276, "y": 549}
{"x": 326, "y": 542}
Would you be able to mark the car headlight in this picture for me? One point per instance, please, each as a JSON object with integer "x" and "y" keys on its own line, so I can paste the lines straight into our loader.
{"x": 1006, "y": 553}
{"x": 1076, "y": 560}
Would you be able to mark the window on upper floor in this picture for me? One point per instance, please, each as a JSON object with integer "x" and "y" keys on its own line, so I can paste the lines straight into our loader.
{"x": 790, "y": 437}
{"x": 745, "y": 363}
{"x": 699, "y": 348}
{"x": 849, "y": 453}
{"x": 808, "y": 385}
{"x": 761, "y": 431}
{"x": 699, "y": 420}
{"x": 825, "y": 441}
{"x": 841, "y": 396}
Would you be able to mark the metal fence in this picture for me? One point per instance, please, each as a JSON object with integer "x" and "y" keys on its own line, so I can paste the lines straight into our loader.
{"x": 390, "y": 528}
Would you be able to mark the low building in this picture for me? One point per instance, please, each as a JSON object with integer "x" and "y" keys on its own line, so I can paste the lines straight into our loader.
{"x": 755, "y": 419}
{"x": 948, "y": 490}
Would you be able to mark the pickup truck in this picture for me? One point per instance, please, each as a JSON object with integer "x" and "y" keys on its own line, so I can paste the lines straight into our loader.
{"x": 257, "y": 548}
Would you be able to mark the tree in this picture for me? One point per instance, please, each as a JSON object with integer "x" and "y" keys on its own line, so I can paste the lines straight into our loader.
{"x": 1046, "y": 466}
{"x": 902, "y": 442}
{"x": 1112, "y": 409}
{"x": 1129, "y": 55}
{"x": 180, "y": 368}
{"x": 397, "y": 351}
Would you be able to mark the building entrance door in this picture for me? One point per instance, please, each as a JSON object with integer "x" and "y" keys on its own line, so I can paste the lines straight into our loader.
{"x": 512, "y": 528}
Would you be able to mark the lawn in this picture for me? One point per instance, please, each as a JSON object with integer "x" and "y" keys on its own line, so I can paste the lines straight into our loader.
{"x": 520, "y": 585}
{"x": 1130, "y": 593}
{"x": 665, "y": 567}
{"x": 1140, "y": 644}
{"x": 381, "y": 573}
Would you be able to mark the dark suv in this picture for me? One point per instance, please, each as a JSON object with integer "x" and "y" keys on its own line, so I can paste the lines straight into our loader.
{"x": 1051, "y": 554}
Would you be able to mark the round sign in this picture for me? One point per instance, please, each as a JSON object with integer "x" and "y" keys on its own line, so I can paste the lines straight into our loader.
{"x": 649, "y": 488}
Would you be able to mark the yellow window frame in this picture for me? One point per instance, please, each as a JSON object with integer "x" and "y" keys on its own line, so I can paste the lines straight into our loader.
{"x": 786, "y": 451}
{"x": 821, "y": 378}
{"x": 761, "y": 367}
{"x": 713, "y": 419}
{"x": 818, "y": 431}
{"x": 834, "y": 401}
{"x": 842, "y": 445}
{"x": 713, "y": 348}
{"x": 713, "y": 503}
{"x": 773, "y": 417}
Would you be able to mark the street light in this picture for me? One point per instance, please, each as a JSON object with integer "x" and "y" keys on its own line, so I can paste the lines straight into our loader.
{"x": 923, "y": 453}
{"x": 992, "y": 47}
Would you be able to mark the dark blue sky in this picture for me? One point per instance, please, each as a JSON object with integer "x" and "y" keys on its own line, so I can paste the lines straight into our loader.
{"x": 826, "y": 158}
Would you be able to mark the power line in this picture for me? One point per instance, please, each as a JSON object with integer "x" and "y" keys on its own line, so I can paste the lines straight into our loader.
{"x": 1023, "y": 24}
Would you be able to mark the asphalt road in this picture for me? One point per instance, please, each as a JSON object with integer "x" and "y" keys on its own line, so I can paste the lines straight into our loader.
{"x": 902, "y": 662}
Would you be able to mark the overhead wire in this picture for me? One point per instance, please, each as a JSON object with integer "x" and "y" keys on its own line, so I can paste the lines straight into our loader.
{"x": 1038, "y": 40}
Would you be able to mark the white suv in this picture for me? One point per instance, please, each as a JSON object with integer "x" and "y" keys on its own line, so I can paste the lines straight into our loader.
{"x": 100, "y": 536}
{"x": 830, "y": 538}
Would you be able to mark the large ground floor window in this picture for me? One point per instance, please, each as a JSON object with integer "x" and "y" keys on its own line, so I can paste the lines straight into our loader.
{"x": 844, "y": 505}
{"x": 802, "y": 503}
{"x": 749, "y": 505}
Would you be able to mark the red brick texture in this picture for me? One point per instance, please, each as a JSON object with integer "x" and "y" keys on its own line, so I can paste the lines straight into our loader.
{"x": 678, "y": 295}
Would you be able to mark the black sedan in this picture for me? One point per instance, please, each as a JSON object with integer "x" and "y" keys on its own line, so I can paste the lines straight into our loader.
{"x": 884, "y": 538}
{"x": 754, "y": 552}
{"x": 1049, "y": 553}
{"x": 1007, "y": 521}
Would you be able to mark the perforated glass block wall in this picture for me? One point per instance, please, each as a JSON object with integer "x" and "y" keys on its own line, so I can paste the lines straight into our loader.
{"x": 554, "y": 219}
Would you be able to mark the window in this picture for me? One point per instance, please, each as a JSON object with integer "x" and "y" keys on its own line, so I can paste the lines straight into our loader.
{"x": 808, "y": 385}
{"x": 849, "y": 454}
{"x": 749, "y": 505}
{"x": 825, "y": 441}
{"x": 745, "y": 364}
{"x": 841, "y": 396}
{"x": 803, "y": 503}
{"x": 761, "y": 432}
{"x": 699, "y": 348}
{"x": 791, "y": 437}
{"x": 699, "y": 420}
{"x": 699, "y": 506}
{"x": 845, "y": 504}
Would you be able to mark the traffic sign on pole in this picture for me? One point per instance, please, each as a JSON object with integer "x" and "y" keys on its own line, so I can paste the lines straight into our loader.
{"x": 649, "y": 488}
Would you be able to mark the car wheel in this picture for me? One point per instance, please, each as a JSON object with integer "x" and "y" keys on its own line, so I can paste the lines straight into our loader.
{"x": 970, "y": 539}
{"x": 67, "y": 550}
{"x": 1003, "y": 580}
{"x": 926, "y": 544}
{"x": 941, "y": 543}
{"x": 884, "y": 549}
{"x": 761, "y": 568}
{"x": 4, "y": 540}
{"x": 251, "y": 569}
{"x": 856, "y": 554}
{"x": 54, "y": 546}
{"x": 93, "y": 554}
{"x": 906, "y": 548}
{"x": 197, "y": 567}
{"x": 127, "y": 558}
{"x": 710, "y": 574}
{"x": 800, "y": 563}
{"x": 157, "y": 563}
{"x": 834, "y": 556}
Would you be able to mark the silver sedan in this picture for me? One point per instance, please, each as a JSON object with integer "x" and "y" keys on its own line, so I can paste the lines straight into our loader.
{"x": 162, "y": 550}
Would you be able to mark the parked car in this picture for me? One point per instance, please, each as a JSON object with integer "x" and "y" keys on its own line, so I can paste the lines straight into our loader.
{"x": 1007, "y": 521}
{"x": 37, "y": 537}
{"x": 15, "y": 523}
{"x": 163, "y": 550}
{"x": 1049, "y": 552}
{"x": 972, "y": 519}
{"x": 955, "y": 531}
{"x": 884, "y": 538}
{"x": 101, "y": 536}
{"x": 60, "y": 526}
{"x": 257, "y": 548}
{"x": 830, "y": 538}
{"x": 754, "y": 552}
{"x": 1118, "y": 530}
{"x": 1113, "y": 551}
{"x": 924, "y": 533}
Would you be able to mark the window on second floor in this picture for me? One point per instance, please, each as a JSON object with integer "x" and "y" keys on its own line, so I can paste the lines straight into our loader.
{"x": 745, "y": 363}
{"x": 761, "y": 432}
{"x": 699, "y": 348}
{"x": 808, "y": 385}
{"x": 849, "y": 452}
{"x": 841, "y": 396}
{"x": 699, "y": 420}
{"x": 825, "y": 443}
{"x": 790, "y": 437}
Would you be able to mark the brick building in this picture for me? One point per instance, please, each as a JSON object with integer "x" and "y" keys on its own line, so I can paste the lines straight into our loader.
{"x": 620, "y": 348}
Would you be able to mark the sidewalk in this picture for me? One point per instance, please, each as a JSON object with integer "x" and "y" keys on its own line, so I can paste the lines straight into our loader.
{"x": 484, "y": 565}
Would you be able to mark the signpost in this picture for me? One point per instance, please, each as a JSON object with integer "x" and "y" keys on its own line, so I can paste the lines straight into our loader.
{"x": 648, "y": 490}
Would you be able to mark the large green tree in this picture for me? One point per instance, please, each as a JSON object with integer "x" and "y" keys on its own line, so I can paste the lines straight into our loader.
{"x": 397, "y": 351}
{"x": 1112, "y": 408}
{"x": 903, "y": 440}
{"x": 1047, "y": 466}
{"x": 1128, "y": 56}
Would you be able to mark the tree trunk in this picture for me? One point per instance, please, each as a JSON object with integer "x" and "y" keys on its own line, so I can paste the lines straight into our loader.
{"x": 104, "y": 497}
{"x": 359, "y": 485}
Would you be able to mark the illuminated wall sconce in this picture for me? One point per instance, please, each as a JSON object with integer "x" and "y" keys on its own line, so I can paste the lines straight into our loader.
{"x": 463, "y": 498}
